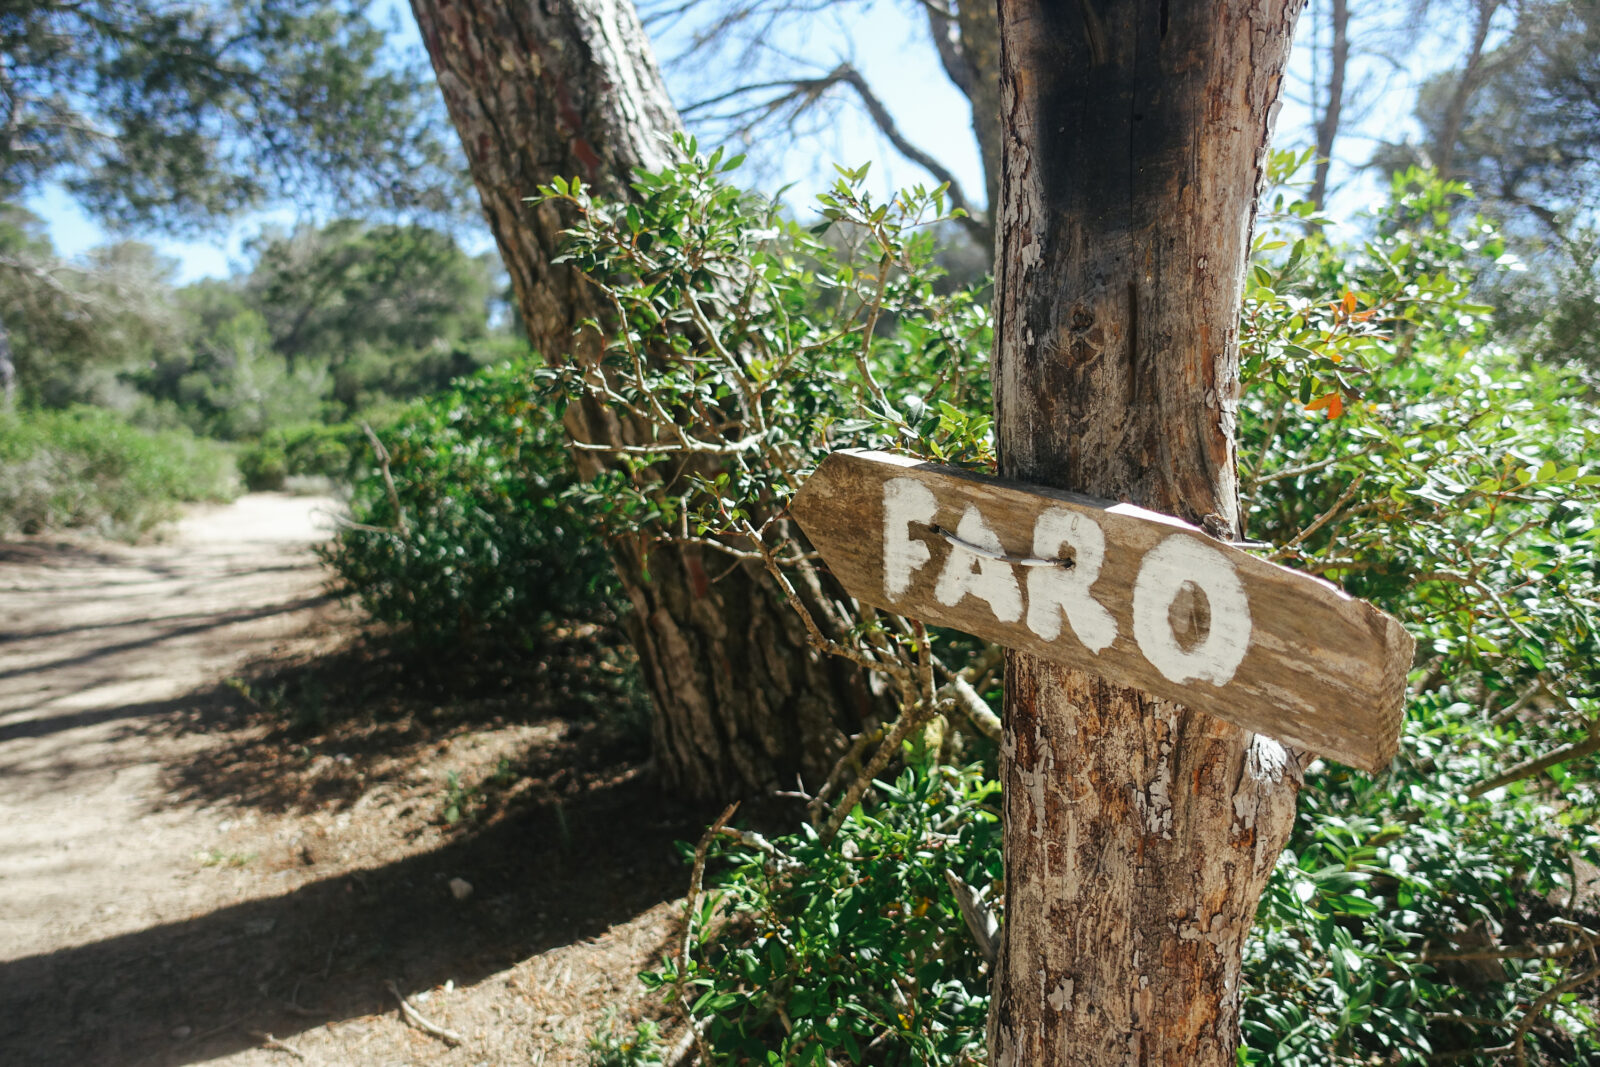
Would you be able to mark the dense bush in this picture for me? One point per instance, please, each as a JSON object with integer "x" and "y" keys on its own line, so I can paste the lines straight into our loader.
{"x": 1388, "y": 443}
{"x": 337, "y": 452}
{"x": 1392, "y": 444}
{"x": 466, "y": 529}
{"x": 86, "y": 468}
{"x": 851, "y": 951}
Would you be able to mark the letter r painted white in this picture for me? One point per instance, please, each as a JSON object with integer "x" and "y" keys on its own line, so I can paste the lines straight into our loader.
{"x": 1178, "y": 561}
{"x": 905, "y": 501}
{"x": 990, "y": 580}
{"x": 1054, "y": 592}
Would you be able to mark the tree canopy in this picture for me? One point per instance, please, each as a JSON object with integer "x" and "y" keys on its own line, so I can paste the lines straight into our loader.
{"x": 173, "y": 115}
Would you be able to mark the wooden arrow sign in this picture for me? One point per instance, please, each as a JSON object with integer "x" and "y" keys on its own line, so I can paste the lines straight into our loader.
{"x": 1143, "y": 599}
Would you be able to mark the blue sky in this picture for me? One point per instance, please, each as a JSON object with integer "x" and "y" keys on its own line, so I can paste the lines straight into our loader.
{"x": 904, "y": 72}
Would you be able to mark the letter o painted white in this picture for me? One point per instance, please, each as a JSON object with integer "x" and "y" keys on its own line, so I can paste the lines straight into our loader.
{"x": 1164, "y": 571}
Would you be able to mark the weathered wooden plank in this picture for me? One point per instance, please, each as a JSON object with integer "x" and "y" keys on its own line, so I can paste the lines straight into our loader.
{"x": 1142, "y": 599}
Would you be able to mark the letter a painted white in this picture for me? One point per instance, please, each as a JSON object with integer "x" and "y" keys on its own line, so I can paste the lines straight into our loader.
{"x": 905, "y": 501}
{"x": 1165, "y": 570}
{"x": 1057, "y": 591}
{"x": 987, "y": 579}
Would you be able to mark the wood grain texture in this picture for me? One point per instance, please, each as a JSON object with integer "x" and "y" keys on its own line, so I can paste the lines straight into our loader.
{"x": 1322, "y": 671}
{"x": 1139, "y": 833}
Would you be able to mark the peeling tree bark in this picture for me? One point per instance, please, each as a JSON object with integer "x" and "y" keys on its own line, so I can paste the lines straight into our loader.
{"x": 571, "y": 88}
{"x": 1138, "y": 834}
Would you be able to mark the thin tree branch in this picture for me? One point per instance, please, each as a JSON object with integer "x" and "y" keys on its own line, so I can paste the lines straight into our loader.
{"x": 885, "y": 123}
{"x": 1575, "y": 750}
{"x": 974, "y": 706}
{"x": 420, "y": 1021}
{"x": 382, "y": 455}
{"x": 732, "y": 448}
{"x": 910, "y": 719}
{"x": 1545, "y": 1000}
{"x": 803, "y": 92}
{"x": 952, "y": 54}
{"x": 1323, "y": 519}
{"x": 690, "y": 903}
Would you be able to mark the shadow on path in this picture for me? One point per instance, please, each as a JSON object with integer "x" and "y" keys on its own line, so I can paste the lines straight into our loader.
{"x": 196, "y": 624}
{"x": 545, "y": 876}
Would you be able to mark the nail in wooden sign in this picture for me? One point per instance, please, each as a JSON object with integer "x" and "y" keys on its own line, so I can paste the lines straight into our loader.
{"x": 1144, "y": 600}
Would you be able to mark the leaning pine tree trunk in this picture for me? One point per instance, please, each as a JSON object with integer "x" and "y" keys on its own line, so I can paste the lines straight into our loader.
{"x": 570, "y": 88}
{"x": 1138, "y": 834}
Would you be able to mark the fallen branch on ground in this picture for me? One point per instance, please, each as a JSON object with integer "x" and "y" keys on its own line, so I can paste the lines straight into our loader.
{"x": 417, "y": 1019}
{"x": 268, "y": 1041}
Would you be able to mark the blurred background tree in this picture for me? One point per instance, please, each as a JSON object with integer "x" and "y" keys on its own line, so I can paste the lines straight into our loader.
{"x": 175, "y": 118}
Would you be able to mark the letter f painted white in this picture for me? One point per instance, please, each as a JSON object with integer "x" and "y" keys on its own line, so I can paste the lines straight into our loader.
{"x": 905, "y": 501}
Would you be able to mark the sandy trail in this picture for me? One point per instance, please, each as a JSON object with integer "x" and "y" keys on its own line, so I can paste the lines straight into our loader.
{"x": 98, "y": 643}
{"x": 182, "y": 873}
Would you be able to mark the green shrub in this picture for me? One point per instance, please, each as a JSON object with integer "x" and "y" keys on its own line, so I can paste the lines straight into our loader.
{"x": 1388, "y": 442}
{"x": 86, "y": 468}
{"x": 1430, "y": 911}
{"x": 338, "y": 452}
{"x": 263, "y": 466}
{"x": 829, "y": 950}
{"x": 640, "y": 1048}
{"x": 476, "y": 535}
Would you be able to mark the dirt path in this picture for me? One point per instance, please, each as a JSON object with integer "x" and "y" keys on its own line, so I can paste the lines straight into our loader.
{"x": 100, "y": 642}
{"x": 196, "y": 850}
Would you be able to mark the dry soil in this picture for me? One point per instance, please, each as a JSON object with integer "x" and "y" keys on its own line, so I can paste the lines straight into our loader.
{"x": 229, "y": 820}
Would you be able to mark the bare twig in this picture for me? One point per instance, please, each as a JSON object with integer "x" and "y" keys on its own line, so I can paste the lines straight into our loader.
{"x": 1467, "y": 1054}
{"x": 975, "y": 707}
{"x": 865, "y": 348}
{"x": 693, "y": 445}
{"x": 1582, "y": 943}
{"x": 697, "y": 880}
{"x": 910, "y": 719}
{"x": 1311, "y": 468}
{"x": 388, "y": 482}
{"x": 851, "y": 758}
{"x": 819, "y": 640}
{"x": 885, "y": 123}
{"x": 690, "y": 903}
{"x": 981, "y": 923}
{"x": 1524, "y": 699}
{"x": 1323, "y": 519}
{"x": 801, "y": 93}
{"x": 681, "y": 1054}
{"x": 925, "y": 659}
{"x": 750, "y": 839}
{"x": 350, "y": 524}
{"x": 1546, "y": 998}
{"x": 421, "y": 1022}
{"x": 268, "y": 1041}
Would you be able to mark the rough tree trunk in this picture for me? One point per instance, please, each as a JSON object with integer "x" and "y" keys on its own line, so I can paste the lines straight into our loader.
{"x": 1328, "y": 123}
{"x": 967, "y": 37}
{"x": 1467, "y": 82}
{"x": 570, "y": 88}
{"x": 1138, "y": 834}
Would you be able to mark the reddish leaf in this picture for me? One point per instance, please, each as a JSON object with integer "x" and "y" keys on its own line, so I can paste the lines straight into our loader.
{"x": 1333, "y": 403}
